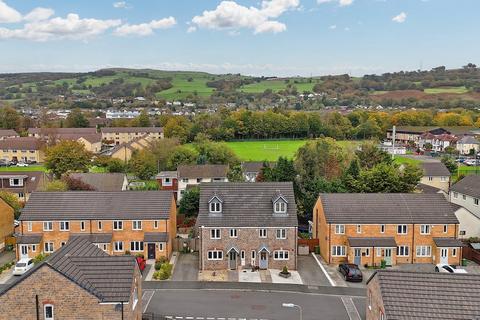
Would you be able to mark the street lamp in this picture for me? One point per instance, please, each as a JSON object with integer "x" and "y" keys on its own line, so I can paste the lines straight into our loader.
{"x": 291, "y": 305}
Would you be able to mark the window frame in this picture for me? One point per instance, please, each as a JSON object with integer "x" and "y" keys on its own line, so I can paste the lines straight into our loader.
{"x": 382, "y": 228}
{"x": 402, "y": 229}
{"x": 426, "y": 254}
{"x": 117, "y": 225}
{"x": 116, "y": 248}
{"x": 137, "y": 225}
{"x": 64, "y": 225}
{"x": 215, "y": 255}
{"x": 215, "y": 207}
{"x": 48, "y": 245}
{"x": 45, "y": 306}
{"x": 281, "y": 255}
{"x": 342, "y": 251}
{"x": 425, "y": 229}
{"x": 48, "y": 223}
{"x": 281, "y": 234}
{"x": 261, "y": 235}
{"x": 339, "y": 229}
{"x": 137, "y": 246}
{"x": 82, "y": 225}
{"x": 403, "y": 253}
{"x": 215, "y": 234}
{"x": 233, "y": 232}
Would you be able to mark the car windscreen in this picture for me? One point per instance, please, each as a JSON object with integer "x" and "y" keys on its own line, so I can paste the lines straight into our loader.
{"x": 20, "y": 264}
{"x": 354, "y": 271}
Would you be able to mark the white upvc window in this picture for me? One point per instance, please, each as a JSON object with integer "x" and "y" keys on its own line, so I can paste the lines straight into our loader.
{"x": 281, "y": 233}
{"x": 280, "y": 207}
{"x": 379, "y": 252}
{"x": 382, "y": 228}
{"x": 215, "y": 255}
{"x": 359, "y": 228}
{"x": 424, "y": 251}
{"x": 185, "y": 180}
{"x": 367, "y": 252}
{"x": 117, "y": 225}
{"x": 48, "y": 313}
{"x": 262, "y": 233}
{"x": 280, "y": 255}
{"x": 64, "y": 225}
{"x": 155, "y": 224}
{"x": 454, "y": 252}
{"x": 118, "y": 246}
{"x": 215, "y": 207}
{"x": 475, "y": 201}
{"x": 137, "y": 225}
{"x": 16, "y": 182}
{"x": 339, "y": 251}
{"x": 455, "y": 195}
{"x": 136, "y": 246}
{"x": 339, "y": 229}
{"x": 48, "y": 247}
{"x": 445, "y": 228}
{"x": 402, "y": 229}
{"x": 29, "y": 225}
{"x": 215, "y": 234}
{"x": 47, "y": 226}
{"x": 99, "y": 225}
{"x": 82, "y": 225}
{"x": 402, "y": 251}
{"x": 424, "y": 229}
{"x": 233, "y": 233}
{"x": 160, "y": 246}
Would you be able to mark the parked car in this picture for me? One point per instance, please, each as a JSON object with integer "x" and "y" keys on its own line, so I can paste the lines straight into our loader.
{"x": 350, "y": 272}
{"x": 442, "y": 267}
{"x": 4, "y": 163}
{"x": 31, "y": 161}
{"x": 22, "y": 266}
{"x": 22, "y": 164}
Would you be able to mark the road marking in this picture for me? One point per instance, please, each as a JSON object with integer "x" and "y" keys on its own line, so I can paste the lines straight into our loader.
{"x": 146, "y": 293}
{"x": 324, "y": 271}
{"x": 351, "y": 309}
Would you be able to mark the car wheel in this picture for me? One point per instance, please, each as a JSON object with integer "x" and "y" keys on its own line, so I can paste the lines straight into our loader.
{"x": 436, "y": 269}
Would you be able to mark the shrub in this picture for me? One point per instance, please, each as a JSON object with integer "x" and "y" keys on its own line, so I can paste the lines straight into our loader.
{"x": 285, "y": 269}
{"x": 127, "y": 252}
{"x": 162, "y": 260}
{"x": 383, "y": 264}
{"x": 39, "y": 258}
{"x": 158, "y": 265}
{"x": 164, "y": 273}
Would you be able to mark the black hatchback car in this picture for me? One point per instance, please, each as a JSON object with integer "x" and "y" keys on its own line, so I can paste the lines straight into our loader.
{"x": 350, "y": 272}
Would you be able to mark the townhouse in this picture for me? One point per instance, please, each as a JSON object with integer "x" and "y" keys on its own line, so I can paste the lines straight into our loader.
{"x": 136, "y": 222}
{"x": 6, "y": 223}
{"x": 192, "y": 175}
{"x": 22, "y": 149}
{"x": 79, "y": 281}
{"x": 436, "y": 175}
{"x": 241, "y": 225}
{"x": 468, "y": 145}
{"x": 393, "y": 294}
{"x": 119, "y": 135}
{"x": 125, "y": 150}
{"x": 398, "y": 228}
{"x": 465, "y": 194}
{"x": 437, "y": 142}
{"x": 86, "y": 136}
{"x": 23, "y": 183}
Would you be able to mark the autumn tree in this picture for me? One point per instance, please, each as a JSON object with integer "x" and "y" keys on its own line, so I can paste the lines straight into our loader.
{"x": 76, "y": 119}
{"x": 67, "y": 156}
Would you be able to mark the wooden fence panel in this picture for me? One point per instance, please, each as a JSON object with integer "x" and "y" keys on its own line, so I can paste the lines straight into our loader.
{"x": 311, "y": 243}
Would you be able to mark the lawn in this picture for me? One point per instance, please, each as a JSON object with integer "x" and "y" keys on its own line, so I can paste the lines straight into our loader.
{"x": 270, "y": 150}
{"x": 457, "y": 90}
{"x": 403, "y": 160}
{"x": 469, "y": 169}
{"x": 29, "y": 168}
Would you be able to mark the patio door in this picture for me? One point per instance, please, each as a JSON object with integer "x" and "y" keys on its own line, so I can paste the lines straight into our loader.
{"x": 388, "y": 256}
{"x": 232, "y": 263}
{"x": 263, "y": 260}
{"x": 444, "y": 255}
{"x": 357, "y": 257}
{"x": 23, "y": 251}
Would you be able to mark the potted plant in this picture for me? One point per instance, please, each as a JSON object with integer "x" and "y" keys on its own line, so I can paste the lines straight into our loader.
{"x": 285, "y": 273}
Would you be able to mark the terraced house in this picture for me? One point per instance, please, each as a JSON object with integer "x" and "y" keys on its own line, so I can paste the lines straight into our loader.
{"x": 136, "y": 222}
{"x": 398, "y": 228}
{"x": 119, "y": 135}
{"x": 247, "y": 224}
{"x": 22, "y": 149}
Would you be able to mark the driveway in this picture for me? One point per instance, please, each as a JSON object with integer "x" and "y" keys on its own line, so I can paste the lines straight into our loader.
{"x": 186, "y": 267}
{"x": 310, "y": 272}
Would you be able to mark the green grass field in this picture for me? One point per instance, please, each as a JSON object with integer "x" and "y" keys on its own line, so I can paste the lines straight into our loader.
{"x": 271, "y": 150}
{"x": 277, "y": 85}
{"x": 469, "y": 169}
{"x": 403, "y": 160}
{"x": 457, "y": 90}
{"x": 29, "y": 168}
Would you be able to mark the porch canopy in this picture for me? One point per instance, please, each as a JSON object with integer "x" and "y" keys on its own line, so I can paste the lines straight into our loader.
{"x": 448, "y": 242}
{"x": 33, "y": 238}
{"x": 383, "y": 242}
{"x": 153, "y": 237}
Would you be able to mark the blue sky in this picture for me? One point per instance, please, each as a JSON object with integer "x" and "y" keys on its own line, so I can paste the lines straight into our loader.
{"x": 263, "y": 37}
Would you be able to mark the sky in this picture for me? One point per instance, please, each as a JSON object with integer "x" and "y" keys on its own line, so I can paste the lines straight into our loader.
{"x": 262, "y": 37}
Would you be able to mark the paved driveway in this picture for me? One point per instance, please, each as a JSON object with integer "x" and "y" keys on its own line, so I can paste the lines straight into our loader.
{"x": 310, "y": 272}
{"x": 186, "y": 267}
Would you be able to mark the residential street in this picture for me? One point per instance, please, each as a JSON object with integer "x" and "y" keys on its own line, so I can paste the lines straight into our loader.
{"x": 238, "y": 304}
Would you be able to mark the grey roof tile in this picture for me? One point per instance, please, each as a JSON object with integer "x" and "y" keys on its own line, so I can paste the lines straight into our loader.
{"x": 448, "y": 242}
{"x": 247, "y": 205}
{"x": 78, "y": 205}
{"x": 102, "y": 181}
{"x": 155, "y": 237}
{"x": 31, "y": 238}
{"x": 418, "y": 295}
{"x": 202, "y": 171}
{"x": 387, "y": 208}
{"x": 384, "y": 242}
{"x": 435, "y": 169}
{"x": 470, "y": 185}
{"x": 132, "y": 129}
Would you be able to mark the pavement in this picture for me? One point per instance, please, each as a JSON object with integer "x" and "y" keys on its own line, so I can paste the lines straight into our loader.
{"x": 186, "y": 267}
{"x": 238, "y": 304}
{"x": 6, "y": 257}
{"x": 310, "y": 272}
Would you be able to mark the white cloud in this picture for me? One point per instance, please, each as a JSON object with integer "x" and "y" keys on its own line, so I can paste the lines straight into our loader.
{"x": 145, "y": 29}
{"x": 39, "y": 14}
{"x": 341, "y": 3}
{"x": 232, "y": 16}
{"x": 121, "y": 5}
{"x": 332, "y": 27}
{"x": 8, "y": 14}
{"x": 400, "y": 18}
{"x": 71, "y": 27}
{"x": 191, "y": 29}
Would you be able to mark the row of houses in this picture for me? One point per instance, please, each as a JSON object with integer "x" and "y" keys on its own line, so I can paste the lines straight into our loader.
{"x": 463, "y": 139}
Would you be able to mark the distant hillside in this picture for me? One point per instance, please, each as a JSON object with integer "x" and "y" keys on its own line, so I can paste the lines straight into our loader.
{"x": 438, "y": 87}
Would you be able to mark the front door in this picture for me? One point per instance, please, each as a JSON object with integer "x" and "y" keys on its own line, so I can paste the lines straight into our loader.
{"x": 23, "y": 251}
{"x": 151, "y": 251}
{"x": 232, "y": 260}
{"x": 388, "y": 256}
{"x": 444, "y": 255}
{"x": 357, "y": 258}
{"x": 263, "y": 260}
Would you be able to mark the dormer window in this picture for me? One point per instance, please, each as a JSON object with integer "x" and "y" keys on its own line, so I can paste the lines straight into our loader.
{"x": 215, "y": 205}
{"x": 279, "y": 204}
